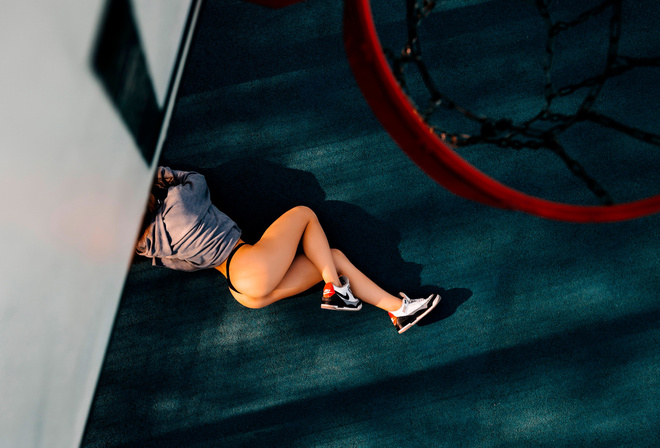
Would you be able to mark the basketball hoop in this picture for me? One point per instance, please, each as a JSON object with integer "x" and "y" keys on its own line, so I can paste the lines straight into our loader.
{"x": 434, "y": 156}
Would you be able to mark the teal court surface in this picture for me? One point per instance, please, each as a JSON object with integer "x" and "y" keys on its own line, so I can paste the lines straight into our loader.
{"x": 547, "y": 334}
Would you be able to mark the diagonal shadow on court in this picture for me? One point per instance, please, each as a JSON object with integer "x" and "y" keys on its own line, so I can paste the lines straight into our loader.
{"x": 462, "y": 399}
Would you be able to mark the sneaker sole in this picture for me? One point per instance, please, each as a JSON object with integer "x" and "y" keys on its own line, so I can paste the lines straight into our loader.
{"x": 435, "y": 303}
{"x": 341, "y": 308}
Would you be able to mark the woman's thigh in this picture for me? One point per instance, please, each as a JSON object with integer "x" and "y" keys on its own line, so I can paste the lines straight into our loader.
{"x": 300, "y": 277}
{"x": 257, "y": 270}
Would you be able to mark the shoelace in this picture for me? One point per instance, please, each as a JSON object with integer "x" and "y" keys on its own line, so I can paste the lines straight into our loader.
{"x": 407, "y": 302}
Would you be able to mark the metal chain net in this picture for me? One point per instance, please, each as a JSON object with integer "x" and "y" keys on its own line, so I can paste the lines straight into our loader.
{"x": 542, "y": 130}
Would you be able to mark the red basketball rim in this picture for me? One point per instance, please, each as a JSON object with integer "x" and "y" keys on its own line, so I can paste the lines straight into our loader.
{"x": 397, "y": 115}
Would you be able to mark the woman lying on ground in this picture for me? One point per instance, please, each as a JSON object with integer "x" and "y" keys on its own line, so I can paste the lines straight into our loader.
{"x": 185, "y": 231}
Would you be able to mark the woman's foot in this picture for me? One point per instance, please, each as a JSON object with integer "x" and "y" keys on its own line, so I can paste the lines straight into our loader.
{"x": 412, "y": 311}
{"x": 340, "y": 298}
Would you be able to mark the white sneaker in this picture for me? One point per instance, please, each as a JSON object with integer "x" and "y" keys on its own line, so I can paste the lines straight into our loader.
{"x": 412, "y": 311}
{"x": 340, "y": 298}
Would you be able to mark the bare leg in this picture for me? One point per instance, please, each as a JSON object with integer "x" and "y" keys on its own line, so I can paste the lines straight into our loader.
{"x": 257, "y": 270}
{"x": 302, "y": 275}
{"x": 363, "y": 287}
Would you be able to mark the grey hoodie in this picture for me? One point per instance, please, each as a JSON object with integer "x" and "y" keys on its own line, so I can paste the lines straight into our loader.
{"x": 187, "y": 232}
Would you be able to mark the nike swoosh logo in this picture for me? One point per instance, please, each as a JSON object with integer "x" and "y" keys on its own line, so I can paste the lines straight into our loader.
{"x": 345, "y": 297}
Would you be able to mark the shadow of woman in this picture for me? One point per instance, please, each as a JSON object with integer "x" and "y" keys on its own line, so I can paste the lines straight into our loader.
{"x": 255, "y": 192}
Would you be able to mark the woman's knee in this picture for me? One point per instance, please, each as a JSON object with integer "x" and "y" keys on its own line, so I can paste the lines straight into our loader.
{"x": 339, "y": 258}
{"x": 304, "y": 211}
{"x": 338, "y": 254}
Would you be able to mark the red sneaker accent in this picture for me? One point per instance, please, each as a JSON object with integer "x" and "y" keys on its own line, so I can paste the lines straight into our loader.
{"x": 328, "y": 290}
{"x": 393, "y": 317}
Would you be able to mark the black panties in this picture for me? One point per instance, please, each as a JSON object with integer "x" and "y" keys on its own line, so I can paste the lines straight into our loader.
{"x": 231, "y": 255}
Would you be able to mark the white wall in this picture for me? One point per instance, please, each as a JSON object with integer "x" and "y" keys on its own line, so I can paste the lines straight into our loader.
{"x": 72, "y": 190}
